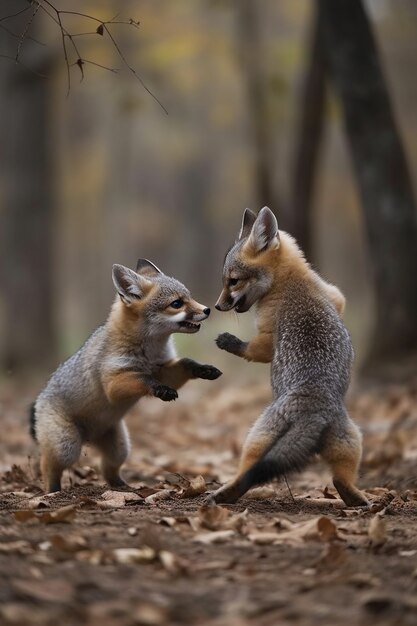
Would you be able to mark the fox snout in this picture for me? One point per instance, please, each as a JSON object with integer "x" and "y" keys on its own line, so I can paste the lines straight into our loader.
{"x": 199, "y": 312}
{"x": 225, "y": 301}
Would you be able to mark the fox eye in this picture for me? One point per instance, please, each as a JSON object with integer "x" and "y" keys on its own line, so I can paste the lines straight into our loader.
{"x": 177, "y": 304}
{"x": 233, "y": 281}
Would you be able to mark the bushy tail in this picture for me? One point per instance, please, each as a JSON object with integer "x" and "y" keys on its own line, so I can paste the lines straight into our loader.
{"x": 290, "y": 453}
{"x": 32, "y": 421}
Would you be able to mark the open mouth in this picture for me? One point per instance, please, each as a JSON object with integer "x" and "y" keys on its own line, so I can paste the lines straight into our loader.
{"x": 191, "y": 327}
{"x": 240, "y": 306}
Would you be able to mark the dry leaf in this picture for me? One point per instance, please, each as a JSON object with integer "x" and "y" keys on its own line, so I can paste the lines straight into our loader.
{"x": 16, "y": 547}
{"x": 168, "y": 521}
{"x": 172, "y": 563}
{"x": 261, "y": 493}
{"x": 218, "y": 536}
{"x": 377, "y": 531}
{"x": 163, "y": 494}
{"x": 69, "y": 543}
{"x": 118, "y": 499}
{"x": 52, "y": 591}
{"x": 329, "y": 495}
{"x": 333, "y": 556}
{"x": 64, "y": 514}
{"x": 215, "y": 517}
{"x": 149, "y": 615}
{"x": 317, "y": 529}
{"x": 133, "y": 555}
{"x": 196, "y": 487}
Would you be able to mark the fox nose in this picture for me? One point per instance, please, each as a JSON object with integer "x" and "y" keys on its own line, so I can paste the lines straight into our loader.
{"x": 206, "y": 311}
{"x": 218, "y": 307}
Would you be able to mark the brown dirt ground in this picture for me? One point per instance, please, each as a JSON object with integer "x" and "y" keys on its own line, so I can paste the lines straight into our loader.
{"x": 269, "y": 567}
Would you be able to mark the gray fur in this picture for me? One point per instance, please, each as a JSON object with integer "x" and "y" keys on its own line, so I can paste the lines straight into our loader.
{"x": 74, "y": 409}
{"x": 310, "y": 369}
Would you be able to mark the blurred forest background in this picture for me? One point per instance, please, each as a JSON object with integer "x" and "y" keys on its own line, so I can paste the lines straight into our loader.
{"x": 102, "y": 174}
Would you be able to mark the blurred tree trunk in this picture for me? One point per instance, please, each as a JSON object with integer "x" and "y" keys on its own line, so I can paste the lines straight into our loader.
{"x": 308, "y": 142}
{"x": 381, "y": 170}
{"x": 252, "y": 63}
{"x": 26, "y": 209}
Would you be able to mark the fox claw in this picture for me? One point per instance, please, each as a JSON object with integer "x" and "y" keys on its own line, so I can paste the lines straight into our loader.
{"x": 165, "y": 393}
{"x": 230, "y": 343}
{"x": 208, "y": 372}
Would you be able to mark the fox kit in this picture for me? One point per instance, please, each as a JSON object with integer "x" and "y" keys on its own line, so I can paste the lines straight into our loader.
{"x": 301, "y": 334}
{"x": 130, "y": 356}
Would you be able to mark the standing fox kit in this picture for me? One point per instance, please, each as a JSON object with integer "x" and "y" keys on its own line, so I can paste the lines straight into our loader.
{"x": 130, "y": 356}
{"x": 301, "y": 334}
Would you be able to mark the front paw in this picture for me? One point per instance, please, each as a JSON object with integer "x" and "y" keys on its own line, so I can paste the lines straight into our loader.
{"x": 227, "y": 494}
{"x": 207, "y": 372}
{"x": 165, "y": 393}
{"x": 230, "y": 343}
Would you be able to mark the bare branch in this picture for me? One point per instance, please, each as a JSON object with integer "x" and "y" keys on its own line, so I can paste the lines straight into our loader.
{"x": 26, "y": 30}
{"x": 103, "y": 27}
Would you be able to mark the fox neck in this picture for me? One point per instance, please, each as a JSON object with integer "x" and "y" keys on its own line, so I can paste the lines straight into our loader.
{"x": 127, "y": 329}
{"x": 286, "y": 263}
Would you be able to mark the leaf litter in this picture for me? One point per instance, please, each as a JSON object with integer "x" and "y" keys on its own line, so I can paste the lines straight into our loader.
{"x": 162, "y": 529}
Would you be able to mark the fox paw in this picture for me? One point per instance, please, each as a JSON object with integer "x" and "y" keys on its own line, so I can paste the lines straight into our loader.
{"x": 208, "y": 372}
{"x": 165, "y": 393}
{"x": 230, "y": 343}
{"x": 225, "y": 495}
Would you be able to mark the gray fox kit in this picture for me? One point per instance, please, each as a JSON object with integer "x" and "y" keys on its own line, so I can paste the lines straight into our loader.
{"x": 130, "y": 356}
{"x": 301, "y": 334}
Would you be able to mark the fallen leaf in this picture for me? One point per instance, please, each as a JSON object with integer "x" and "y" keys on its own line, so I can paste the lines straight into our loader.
{"x": 333, "y": 556}
{"x": 218, "y": 536}
{"x": 172, "y": 563}
{"x": 196, "y": 487}
{"x": 149, "y": 615}
{"x": 261, "y": 493}
{"x": 168, "y": 521}
{"x": 51, "y": 591}
{"x": 118, "y": 499}
{"x": 377, "y": 531}
{"x": 163, "y": 494}
{"x": 215, "y": 517}
{"x": 64, "y": 514}
{"x": 317, "y": 529}
{"x": 69, "y": 543}
{"x": 133, "y": 555}
{"x": 16, "y": 547}
{"x": 329, "y": 495}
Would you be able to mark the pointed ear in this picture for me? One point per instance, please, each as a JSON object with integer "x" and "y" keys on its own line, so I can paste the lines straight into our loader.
{"x": 248, "y": 221}
{"x": 147, "y": 268}
{"x": 264, "y": 233}
{"x": 129, "y": 285}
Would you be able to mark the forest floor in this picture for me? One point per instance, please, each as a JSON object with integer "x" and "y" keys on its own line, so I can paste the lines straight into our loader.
{"x": 155, "y": 554}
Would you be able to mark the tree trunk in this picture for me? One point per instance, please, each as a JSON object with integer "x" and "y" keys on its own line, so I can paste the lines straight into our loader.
{"x": 26, "y": 208}
{"x": 252, "y": 63}
{"x": 380, "y": 165}
{"x": 308, "y": 143}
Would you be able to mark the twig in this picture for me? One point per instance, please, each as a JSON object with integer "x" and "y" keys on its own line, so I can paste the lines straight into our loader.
{"x": 23, "y": 36}
{"x": 56, "y": 15}
{"x": 16, "y": 36}
{"x": 289, "y": 490}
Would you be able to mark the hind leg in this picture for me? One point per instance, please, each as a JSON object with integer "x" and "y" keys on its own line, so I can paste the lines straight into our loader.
{"x": 254, "y": 449}
{"x": 114, "y": 447}
{"x": 60, "y": 443}
{"x": 343, "y": 451}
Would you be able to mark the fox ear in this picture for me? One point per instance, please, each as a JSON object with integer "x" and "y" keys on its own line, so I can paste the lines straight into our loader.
{"x": 264, "y": 233}
{"x": 248, "y": 221}
{"x": 147, "y": 268}
{"x": 129, "y": 285}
